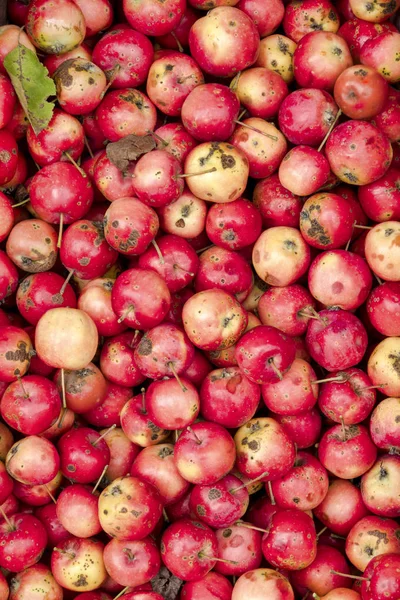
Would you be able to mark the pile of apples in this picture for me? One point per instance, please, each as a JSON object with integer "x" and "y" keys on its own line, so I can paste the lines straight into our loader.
{"x": 200, "y": 302}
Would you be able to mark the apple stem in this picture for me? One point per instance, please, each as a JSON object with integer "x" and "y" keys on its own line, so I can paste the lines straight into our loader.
{"x": 69, "y": 554}
{"x": 243, "y": 524}
{"x": 72, "y": 161}
{"x": 234, "y": 83}
{"x": 275, "y": 369}
{"x": 268, "y": 135}
{"x": 212, "y": 170}
{"x": 64, "y": 285}
{"x": 19, "y": 378}
{"x": 245, "y": 485}
{"x": 7, "y": 520}
{"x": 132, "y": 342}
{"x": 307, "y": 595}
{"x": 176, "y": 266}
{"x": 125, "y": 313}
{"x": 221, "y": 560}
{"x": 113, "y": 73}
{"x": 164, "y": 512}
{"x": 60, "y": 230}
{"x": 88, "y": 147}
{"x": 180, "y": 47}
{"x": 321, "y": 532}
{"x": 21, "y": 203}
{"x": 271, "y": 493}
{"x": 62, "y": 417}
{"x": 328, "y": 133}
{"x": 99, "y": 479}
{"x": 349, "y": 576}
{"x": 241, "y": 115}
{"x": 205, "y": 248}
{"x": 357, "y": 226}
{"x": 64, "y": 402}
{"x": 49, "y": 493}
{"x": 103, "y": 435}
{"x": 338, "y": 379}
{"x": 159, "y": 253}
{"x": 143, "y": 390}
{"x": 157, "y": 137}
{"x": 170, "y": 364}
{"x": 122, "y": 592}
{"x": 371, "y": 387}
{"x": 196, "y": 437}
{"x": 338, "y": 537}
{"x": 344, "y": 433}
{"x": 301, "y": 313}
{"x": 350, "y": 238}
{"x": 379, "y": 280}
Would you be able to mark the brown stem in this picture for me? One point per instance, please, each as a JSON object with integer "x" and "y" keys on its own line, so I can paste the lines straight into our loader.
{"x": 49, "y": 493}
{"x": 349, "y": 576}
{"x": 62, "y": 417}
{"x": 379, "y": 280}
{"x": 371, "y": 387}
{"x": 176, "y": 266}
{"x": 103, "y": 435}
{"x": 88, "y": 147}
{"x": 112, "y": 74}
{"x": 122, "y": 592}
{"x": 7, "y": 520}
{"x": 143, "y": 400}
{"x": 301, "y": 313}
{"x": 271, "y": 493}
{"x": 72, "y": 161}
{"x": 180, "y": 47}
{"x": 159, "y": 253}
{"x": 275, "y": 369}
{"x": 21, "y": 203}
{"x": 60, "y": 230}
{"x": 222, "y": 560}
{"x": 19, "y": 378}
{"x": 235, "y": 81}
{"x": 196, "y": 437}
{"x": 64, "y": 285}
{"x": 157, "y": 137}
{"x": 249, "y": 526}
{"x": 125, "y": 313}
{"x": 63, "y": 394}
{"x": 211, "y": 170}
{"x": 164, "y": 512}
{"x": 268, "y": 135}
{"x": 170, "y": 364}
{"x": 357, "y": 226}
{"x": 328, "y": 133}
{"x": 338, "y": 378}
{"x": 245, "y": 485}
{"x": 99, "y": 479}
{"x": 205, "y": 248}
{"x": 321, "y": 532}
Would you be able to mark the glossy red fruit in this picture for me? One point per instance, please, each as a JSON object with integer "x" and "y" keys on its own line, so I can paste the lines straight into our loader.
{"x": 22, "y": 542}
{"x": 233, "y": 225}
{"x": 295, "y": 392}
{"x": 220, "y": 504}
{"x": 276, "y": 204}
{"x": 382, "y": 582}
{"x": 152, "y": 19}
{"x": 358, "y": 153}
{"x": 8, "y": 156}
{"x": 381, "y": 199}
{"x": 336, "y": 340}
{"x": 125, "y": 55}
{"x": 347, "y": 452}
{"x": 83, "y": 455}
{"x": 361, "y": 92}
{"x": 287, "y": 308}
{"x": 63, "y": 135}
{"x": 291, "y": 540}
{"x": 123, "y": 112}
{"x": 55, "y": 29}
{"x": 239, "y": 41}
{"x": 342, "y": 507}
{"x": 117, "y": 360}
{"x": 264, "y": 354}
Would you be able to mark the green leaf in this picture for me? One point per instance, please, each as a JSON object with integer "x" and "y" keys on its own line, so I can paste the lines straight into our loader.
{"x": 32, "y": 85}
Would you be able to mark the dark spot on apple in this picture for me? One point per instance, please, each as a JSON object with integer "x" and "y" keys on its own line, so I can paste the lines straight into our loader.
{"x": 105, "y": 512}
{"x": 169, "y": 68}
{"x": 368, "y": 550}
{"x": 81, "y": 581}
{"x": 164, "y": 452}
{"x": 397, "y": 419}
{"x": 361, "y": 73}
{"x": 227, "y": 161}
{"x": 283, "y": 46}
{"x": 380, "y": 535}
{"x": 136, "y": 513}
{"x": 296, "y": 500}
{"x": 332, "y": 15}
{"x": 214, "y": 146}
{"x": 383, "y": 473}
{"x": 200, "y": 510}
{"x": 350, "y": 177}
{"x": 123, "y": 510}
{"x": 20, "y": 354}
{"x": 115, "y": 223}
{"x": 214, "y": 494}
{"x": 116, "y": 490}
{"x": 337, "y": 51}
{"x": 145, "y": 347}
{"x": 84, "y": 261}
{"x": 180, "y": 223}
{"x": 254, "y": 446}
{"x": 395, "y": 358}
{"x": 71, "y": 468}
{"x": 131, "y": 241}
{"x": 389, "y": 232}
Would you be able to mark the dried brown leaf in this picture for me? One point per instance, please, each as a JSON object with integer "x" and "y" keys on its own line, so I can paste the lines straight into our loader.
{"x": 129, "y": 148}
